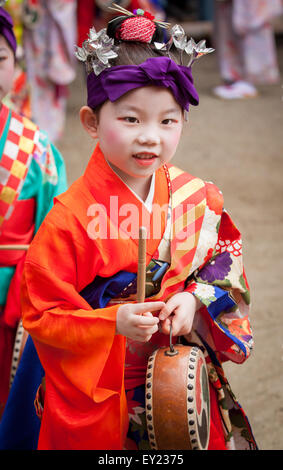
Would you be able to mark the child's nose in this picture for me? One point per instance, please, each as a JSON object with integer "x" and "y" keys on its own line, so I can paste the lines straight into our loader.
{"x": 149, "y": 137}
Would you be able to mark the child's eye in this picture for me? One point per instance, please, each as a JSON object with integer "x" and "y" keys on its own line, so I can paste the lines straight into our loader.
{"x": 3, "y": 58}
{"x": 167, "y": 121}
{"x": 130, "y": 119}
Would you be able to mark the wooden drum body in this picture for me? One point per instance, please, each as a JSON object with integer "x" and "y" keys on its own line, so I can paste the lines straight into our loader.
{"x": 177, "y": 399}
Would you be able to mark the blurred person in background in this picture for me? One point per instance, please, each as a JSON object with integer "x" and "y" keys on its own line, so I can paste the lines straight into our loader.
{"x": 245, "y": 44}
{"x": 183, "y": 10}
{"x": 46, "y": 31}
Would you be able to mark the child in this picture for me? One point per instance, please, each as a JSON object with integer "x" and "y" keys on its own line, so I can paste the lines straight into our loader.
{"x": 79, "y": 283}
{"x": 32, "y": 172}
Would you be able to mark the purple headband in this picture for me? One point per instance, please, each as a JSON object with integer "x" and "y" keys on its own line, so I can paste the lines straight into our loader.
{"x": 115, "y": 81}
{"x": 6, "y": 28}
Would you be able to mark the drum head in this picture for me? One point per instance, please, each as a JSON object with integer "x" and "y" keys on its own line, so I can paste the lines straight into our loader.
{"x": 177, "y": 399}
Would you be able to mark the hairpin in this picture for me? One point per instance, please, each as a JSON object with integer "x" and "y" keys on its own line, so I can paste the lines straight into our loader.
{"x": 2, "y": 2}
{"x": 138, "y": 12}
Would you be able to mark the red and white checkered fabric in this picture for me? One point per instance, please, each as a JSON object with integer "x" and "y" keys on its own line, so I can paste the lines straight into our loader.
{"x": 17, "y": 155}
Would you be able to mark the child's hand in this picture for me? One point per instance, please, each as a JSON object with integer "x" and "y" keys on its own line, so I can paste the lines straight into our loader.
{"x": 136, "y": 320}
{"x": 180, "y": 309}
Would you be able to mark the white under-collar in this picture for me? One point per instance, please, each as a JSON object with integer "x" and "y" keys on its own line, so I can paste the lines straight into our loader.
{"x": 149, "y": 199}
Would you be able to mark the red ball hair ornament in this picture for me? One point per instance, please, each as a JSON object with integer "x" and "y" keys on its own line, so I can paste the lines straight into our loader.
{"x": 136, "y": 28}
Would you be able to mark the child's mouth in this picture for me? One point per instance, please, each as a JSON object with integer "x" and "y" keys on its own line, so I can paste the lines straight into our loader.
{"x": 145, "y": 158}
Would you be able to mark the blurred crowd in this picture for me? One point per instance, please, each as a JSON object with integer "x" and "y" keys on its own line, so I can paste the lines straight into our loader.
{"x": 47, "y": 31}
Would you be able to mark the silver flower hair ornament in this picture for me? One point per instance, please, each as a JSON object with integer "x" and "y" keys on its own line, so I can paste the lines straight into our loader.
{"x": 2, "y": 2}
{"x": 96, "y": 51}
{"x": 181, "y": 42}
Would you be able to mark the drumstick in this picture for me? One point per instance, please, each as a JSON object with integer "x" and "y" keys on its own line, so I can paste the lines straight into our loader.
{"x": 14, "y": 247}
{"x": 141, "y": 265}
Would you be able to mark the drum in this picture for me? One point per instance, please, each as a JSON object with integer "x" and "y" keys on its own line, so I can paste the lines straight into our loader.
{"x": 177, "y": 399}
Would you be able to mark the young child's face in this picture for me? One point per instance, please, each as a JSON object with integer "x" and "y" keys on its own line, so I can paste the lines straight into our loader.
{"x": 7, "y": 67}
{"x": 140, "y": 132}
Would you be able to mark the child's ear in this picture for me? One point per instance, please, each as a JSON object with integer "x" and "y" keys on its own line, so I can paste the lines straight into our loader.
{"x": 89, "y": 121}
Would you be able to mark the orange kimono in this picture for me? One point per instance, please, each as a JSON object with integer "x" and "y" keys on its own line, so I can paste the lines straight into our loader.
{"x": 85, "y": 405}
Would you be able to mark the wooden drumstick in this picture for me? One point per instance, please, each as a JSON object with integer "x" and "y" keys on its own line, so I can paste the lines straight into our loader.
{"x": 141, "y": 265}
{"x": 14, "y": 247}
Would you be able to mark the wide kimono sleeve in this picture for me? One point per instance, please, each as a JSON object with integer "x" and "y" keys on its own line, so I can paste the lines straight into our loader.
{"x": 82, "y": 356}
{"x": 220, "y": 283}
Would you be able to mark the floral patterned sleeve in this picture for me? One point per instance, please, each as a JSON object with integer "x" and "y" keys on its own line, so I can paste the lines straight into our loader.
{"x": 219, "y": 282}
